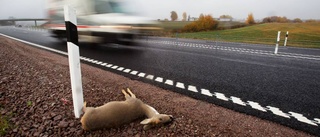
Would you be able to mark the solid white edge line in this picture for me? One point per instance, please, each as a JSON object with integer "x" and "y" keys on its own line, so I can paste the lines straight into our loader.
{"x": 36, "y": 45}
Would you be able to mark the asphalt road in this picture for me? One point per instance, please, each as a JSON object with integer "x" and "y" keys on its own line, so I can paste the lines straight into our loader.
{"x": 283, "y": 88}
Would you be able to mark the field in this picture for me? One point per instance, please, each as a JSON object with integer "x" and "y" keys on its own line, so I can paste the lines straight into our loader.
{"x": 300, "y": 34}
{"x": 176, "y": 25}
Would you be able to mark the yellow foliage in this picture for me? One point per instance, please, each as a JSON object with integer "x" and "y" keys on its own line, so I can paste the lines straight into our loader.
{"x": 204, "y": 23}
{"x": 250, "y": 19}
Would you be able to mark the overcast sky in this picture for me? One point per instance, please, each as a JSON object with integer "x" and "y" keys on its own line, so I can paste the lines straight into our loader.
{"x": 160, "y": 9}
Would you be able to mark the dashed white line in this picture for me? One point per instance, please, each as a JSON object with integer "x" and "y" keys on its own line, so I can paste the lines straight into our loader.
{"x": 109, "y": 65}
{"x": 114, "y": 67}
{"x": 256, "y": 106}
{"x": 150, "y": 77}
{"x": 180, "y": 85}
{"x": 127, "y": 70}
{"x": 206, "y": 92}
{"x": 192, "y": 88}
{"x": 134, "y": 72}
{"x": 159, "y": 79}
{"x": 141, "y": 74}
{"x": 301, "y": 118}
{"x": 317, "y": 120}
{"x": 120, "y": 68}
{"x": 221, "y": 96}
{"x": 237, "y": 101}
{"x": 277, "y": 111}
{"x": 169, "y": 82}
{"x": 104, "y": 64}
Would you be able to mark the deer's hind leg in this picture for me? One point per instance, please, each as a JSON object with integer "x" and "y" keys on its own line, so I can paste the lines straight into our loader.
{"x": 132, "y": 95}
{"x": 126, "y": 95}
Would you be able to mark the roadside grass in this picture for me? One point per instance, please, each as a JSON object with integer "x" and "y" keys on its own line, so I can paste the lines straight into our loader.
{"x": 4, "y": 125}
{"x": 300, "y": 34}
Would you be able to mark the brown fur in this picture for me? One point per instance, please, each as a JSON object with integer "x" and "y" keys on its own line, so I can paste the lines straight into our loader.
{"x": 116, "y": 113}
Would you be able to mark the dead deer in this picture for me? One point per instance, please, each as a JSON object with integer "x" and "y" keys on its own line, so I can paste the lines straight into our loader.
{"x": 116, "y": 113}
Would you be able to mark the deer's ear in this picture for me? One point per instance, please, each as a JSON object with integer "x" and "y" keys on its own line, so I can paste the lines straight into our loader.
{"x": 146, "y": 121}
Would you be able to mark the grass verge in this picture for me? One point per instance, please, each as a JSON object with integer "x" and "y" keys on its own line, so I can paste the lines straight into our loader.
{"x": 300, "y": 34}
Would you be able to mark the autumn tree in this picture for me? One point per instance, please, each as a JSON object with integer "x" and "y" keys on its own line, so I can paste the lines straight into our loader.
{"x": 174, "y": 16}
{"x": 282, "y": 19}
{"x": 184, "y": 16}
{"x": 204, "y": 23}
{"x": 250, "y": 19}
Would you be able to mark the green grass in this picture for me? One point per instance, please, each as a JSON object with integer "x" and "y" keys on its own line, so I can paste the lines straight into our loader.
{"x": 300, "y": 34}
{"x": 4, "y": 125}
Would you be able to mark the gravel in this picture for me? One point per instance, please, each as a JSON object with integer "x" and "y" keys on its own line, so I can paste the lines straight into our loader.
{"x": 35, "y": 96}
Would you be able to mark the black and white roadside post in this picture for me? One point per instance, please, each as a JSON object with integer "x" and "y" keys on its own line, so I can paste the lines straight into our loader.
{"x": 286, "y": 39}
{"x": 74, "y": 59}
{"x": 277, "y": 45}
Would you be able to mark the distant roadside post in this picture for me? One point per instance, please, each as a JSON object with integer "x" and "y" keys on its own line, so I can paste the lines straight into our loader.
{"x": 286, "y": 39}
{"x": 74, "y": 59}
{"x": 277, "y": 44}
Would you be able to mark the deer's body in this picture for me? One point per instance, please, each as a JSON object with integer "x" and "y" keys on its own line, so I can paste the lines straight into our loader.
{"x": 117, "y": 113}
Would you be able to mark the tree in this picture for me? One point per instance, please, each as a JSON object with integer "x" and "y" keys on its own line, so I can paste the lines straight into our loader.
{"x": 174, "y": 16}
{"x": 184, "y": 16}
{"x": 282, "y": 19}
{"x": 204, "y": 23}
{"x": 225, "y": 17}
{"x": 310, "y": 20}
{"x": 201, "y": 15}
{"x": 297, "y": 20}
{"x": 250, "y": 19}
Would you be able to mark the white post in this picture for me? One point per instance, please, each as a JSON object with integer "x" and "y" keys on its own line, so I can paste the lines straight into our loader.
{"x": 74, "y": 59}
{"x": 277, "y": 45}
{"x": 285, "y": 41}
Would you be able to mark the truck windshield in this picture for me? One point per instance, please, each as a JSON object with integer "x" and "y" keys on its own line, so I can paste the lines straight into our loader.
{"x": 105, "y": 6}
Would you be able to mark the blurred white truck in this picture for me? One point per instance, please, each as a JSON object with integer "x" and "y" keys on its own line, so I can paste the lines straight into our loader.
{"x": 99, "y": 21}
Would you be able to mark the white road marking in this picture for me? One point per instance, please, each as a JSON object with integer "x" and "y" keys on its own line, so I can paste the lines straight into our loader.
{"x": 159, "y": 79}
{"x": 237, "y": 101}
{"x": 150, "y": 77}
{"x": 169, "y": 82}
{"x": 317, "y": 120}
{"x": 221, "y": 96}
{"x": 256, "y": 106}
{"x": 141, "y": 74}
{"x": 134, "y": 72}
{"x": 242, "y": 50}
{"x": 110, "y": 65}
{"x": 192, "y": 88}
{"x": 120, "y": 68}
{"x": 205, "y": 92}
{"x": 180, "y": 85}
{"x": 99, "y": 63}
{"x": 114, "y": 67}
{"x": 127, "y": 70}
{"x": 277, "y": 111}
{"x": 104, "y": 64}
{"x": 301, "y": 118}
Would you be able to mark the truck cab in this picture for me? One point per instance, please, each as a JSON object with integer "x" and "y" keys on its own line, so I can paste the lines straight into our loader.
{"x": 99, "y": 21}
